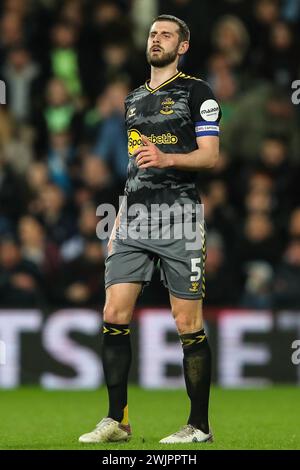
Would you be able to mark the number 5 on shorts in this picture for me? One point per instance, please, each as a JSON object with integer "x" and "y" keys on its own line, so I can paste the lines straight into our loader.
{"x": 195, "y": 268}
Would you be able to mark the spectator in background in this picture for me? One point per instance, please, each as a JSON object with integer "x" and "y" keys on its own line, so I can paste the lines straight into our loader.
{"x": 95, "y": 116}
{"x": 258, "y": 286}
{"x": 273, "y": 159}
{"x": 20, "y": 281}
{"x": 72, "y": 12}
{"x": 60, "y": 156}
{"x": 118, "y": 60}
{"x": 280, "y": 63}
{"x": 258, "y": 241}
{"x": 264, "y": 110}
{"x": 16, "y": 143}
{"x": 11, "y": 33}
{"x": 287, "y": 278}
{"x": 225, "y": 85}
{"x": 221, "y": 286}
{"x": 26, "y": 13}
{"x": 37, "y": 249}
{"x": 261, "y": 198}
{"x": 64, "y": 56}
{"x": 82, "y": 280}
{"x": 226, "y": 170}
{"x": 97, "y": 178}
{"x": 230, "y": 38}
{"x": 291, "y": 11}
{"x": 100, "y": 16}
{"x": 87, "y": 222}
{"x": 115, "y": 52}
{"x": 21, "y": 75}
{"x": 107, "y": 20}
{"x": 60, "y": 106}
{"x": 258, "y": 202}
{"x": 108, "y": 48}
{"x": 219, "y": 215}
{"x": 265, "y": 14}
{"x": 59, "y": 115}
{"x": 294, "y": 223}
{"x": 35, "y": 19}
{"x": 260, "y": 181}
{"x": 37, "y": 177}
{"x": 259, "y": 195}
{"x": 82, "y": 195}
{"x": 55, "y": 215}
{"x": 6, "y": 126}
{"x": 109, "y": 148}
{"x": 240, "y": 8}
{"x": 11, "y": 194}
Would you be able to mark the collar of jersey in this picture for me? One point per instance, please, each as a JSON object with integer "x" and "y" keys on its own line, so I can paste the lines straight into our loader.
{"x": 153, "y": 90}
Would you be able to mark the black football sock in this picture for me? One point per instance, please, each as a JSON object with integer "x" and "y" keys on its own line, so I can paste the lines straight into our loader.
{"x": 197, "y": 374}
{"x": 116, "y": 359}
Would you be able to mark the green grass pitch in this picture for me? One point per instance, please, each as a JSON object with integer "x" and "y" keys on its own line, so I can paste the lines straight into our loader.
{"x": 32, "y": 418}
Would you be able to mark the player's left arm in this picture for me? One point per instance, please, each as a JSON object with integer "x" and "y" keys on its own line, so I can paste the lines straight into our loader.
{"x": 204, "y": 157}
{"x": 206, "y": 115}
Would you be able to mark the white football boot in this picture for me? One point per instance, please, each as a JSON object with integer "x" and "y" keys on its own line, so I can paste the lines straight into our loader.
{"x": 186, "y": 434}
{"x": 108, "y": 430}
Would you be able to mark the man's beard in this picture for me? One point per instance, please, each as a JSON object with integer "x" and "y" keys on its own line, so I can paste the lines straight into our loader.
{"x": 163, "y": 60}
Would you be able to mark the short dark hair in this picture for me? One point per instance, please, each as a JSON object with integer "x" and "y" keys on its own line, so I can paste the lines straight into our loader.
{"x": 184, "y": 32}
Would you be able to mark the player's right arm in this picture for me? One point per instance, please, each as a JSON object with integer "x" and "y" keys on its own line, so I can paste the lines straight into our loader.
{"x": 114, "y": 230}
{"x": 113, "y": 234}
{"x": 117, "y": 220}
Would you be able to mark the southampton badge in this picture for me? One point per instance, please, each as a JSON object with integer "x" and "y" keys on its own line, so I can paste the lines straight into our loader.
{"x": 166, "y": 106}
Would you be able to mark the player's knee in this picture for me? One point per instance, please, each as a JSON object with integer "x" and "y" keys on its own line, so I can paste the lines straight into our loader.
{"x": 187, "y": 323}
{"x": 113, "y": 314}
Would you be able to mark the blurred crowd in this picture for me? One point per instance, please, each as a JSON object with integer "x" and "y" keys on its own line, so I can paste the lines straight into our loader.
{"x": 68, "y": 66}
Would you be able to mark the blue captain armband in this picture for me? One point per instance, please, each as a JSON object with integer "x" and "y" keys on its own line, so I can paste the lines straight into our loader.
{"x": 203, "y": 128}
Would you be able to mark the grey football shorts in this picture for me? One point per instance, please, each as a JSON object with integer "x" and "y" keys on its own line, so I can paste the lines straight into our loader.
{"x": 181, "y": 266}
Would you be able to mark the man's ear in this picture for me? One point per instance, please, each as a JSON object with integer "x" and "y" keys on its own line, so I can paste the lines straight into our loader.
{"x": 183, "y": 48}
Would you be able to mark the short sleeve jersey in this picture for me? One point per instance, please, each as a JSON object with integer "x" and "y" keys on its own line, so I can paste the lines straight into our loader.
{"x": 172, "y": 116}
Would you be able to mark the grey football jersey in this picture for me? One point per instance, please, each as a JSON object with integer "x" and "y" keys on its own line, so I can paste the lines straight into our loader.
{"x": 171, "y": 116}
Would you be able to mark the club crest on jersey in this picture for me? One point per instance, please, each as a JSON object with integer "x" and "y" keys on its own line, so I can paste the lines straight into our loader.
{"x": 166, "y": 106}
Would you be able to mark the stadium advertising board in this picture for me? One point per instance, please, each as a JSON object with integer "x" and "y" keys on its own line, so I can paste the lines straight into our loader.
{"x": 62, "y": 350}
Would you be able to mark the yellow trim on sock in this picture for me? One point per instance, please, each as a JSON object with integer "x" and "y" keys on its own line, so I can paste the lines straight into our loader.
{"x": 125, "y": 419}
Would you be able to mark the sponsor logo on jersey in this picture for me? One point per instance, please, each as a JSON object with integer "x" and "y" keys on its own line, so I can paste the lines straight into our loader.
{"x": 209, "y": 110}
{"x": 135, "y": 140}
{"x": 167, "y": 138}
{"x": 166, "y": 106}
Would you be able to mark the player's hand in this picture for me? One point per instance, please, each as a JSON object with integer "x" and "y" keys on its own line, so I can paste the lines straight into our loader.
{"x": 148, "y": 155}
